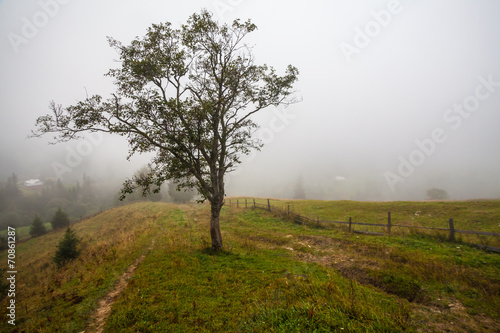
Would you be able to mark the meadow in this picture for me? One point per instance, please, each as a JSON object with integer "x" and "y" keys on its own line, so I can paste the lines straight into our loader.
{"x": 274, "y": 275}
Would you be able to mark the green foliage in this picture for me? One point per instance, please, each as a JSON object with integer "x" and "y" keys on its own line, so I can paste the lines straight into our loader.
{"x": 186, "y": 95}
{"x": 60, "y": 219}
{"x": 67, "y": 249}
{"x": 37, "y": 227}
{"x": 140, "y": 195}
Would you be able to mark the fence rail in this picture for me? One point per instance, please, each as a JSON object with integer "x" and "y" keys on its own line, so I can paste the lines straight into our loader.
{"x": 301, "y": 219}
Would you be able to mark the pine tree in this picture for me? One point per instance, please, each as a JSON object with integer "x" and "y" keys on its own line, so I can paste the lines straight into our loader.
{"x": 67, "y": 248}
{"x": 60, "y": 219}
{"x": 37, "y": 228}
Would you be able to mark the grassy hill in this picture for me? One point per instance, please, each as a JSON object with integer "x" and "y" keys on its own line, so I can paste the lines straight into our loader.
{"x": 274, "y": 276}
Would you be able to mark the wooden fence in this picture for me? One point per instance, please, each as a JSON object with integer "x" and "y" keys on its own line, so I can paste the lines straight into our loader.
{"x": 246, "y": 203}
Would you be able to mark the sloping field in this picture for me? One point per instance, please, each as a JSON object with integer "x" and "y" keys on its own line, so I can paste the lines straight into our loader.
{"x": 478, "y": 215}
{"x": 274, "y": 276}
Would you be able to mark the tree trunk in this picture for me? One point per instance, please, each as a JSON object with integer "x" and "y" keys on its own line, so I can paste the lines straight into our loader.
{"x": 214, "y": 226}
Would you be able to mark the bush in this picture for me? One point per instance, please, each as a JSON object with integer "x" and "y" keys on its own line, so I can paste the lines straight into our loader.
{"x": 60, "y": 219}
{"x": 437, "y": 194}
{"x": 37, "y": 228}
{"x": 67, "y": 248}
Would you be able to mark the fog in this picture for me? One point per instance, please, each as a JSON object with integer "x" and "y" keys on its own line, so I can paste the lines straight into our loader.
{"x": 396, "y": 97}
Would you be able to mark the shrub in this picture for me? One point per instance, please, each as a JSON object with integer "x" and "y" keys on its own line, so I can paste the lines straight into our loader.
{"x": 67, "y": 248}
{"x": 37, "y": 228}
{"x": 60, "y": 219}
{"x": 437, "y": 194}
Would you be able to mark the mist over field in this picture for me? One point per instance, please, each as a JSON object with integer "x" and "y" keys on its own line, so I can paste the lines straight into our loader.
{"x": 396, "y": 97}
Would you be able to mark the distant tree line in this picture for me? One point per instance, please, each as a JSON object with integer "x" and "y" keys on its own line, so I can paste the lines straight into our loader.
{"x": 19, "y": 205}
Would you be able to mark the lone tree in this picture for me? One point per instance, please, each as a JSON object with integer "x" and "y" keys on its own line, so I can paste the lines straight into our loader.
{"x": 437, "y": 194}
{"x": 67, "y": 249}
{"x": 60, "y": 219}
{"x": 188, "y": 95}
{"x": 37, "y": 228}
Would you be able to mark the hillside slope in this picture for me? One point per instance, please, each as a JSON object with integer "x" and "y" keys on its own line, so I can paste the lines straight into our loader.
{"x": 275, "y": 276}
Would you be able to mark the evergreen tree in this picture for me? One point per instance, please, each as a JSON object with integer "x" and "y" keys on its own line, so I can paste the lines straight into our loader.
{"x": 60, "y": 219}
{"x": 67, "y": 248}
{"x": 37, "y": 228}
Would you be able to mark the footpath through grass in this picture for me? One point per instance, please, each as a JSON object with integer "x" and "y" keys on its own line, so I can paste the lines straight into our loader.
{"x": 277, "y": 276}
{"x": 183, "y": 287}
{"x": 49, "y": 299}
{"x": 274, "y": 276}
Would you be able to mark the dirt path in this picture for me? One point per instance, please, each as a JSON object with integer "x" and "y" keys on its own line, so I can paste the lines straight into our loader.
{"x": 104, "y": 305}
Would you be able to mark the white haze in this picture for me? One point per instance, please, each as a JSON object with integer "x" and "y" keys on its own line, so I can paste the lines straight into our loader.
{"x": 359, "y": 117}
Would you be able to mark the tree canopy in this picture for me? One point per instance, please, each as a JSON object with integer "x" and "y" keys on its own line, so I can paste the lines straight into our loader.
{"x": 188, "y": 95}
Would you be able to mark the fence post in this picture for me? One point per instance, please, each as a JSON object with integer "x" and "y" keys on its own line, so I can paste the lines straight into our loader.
{"x": 268, "y": 205}
{"x": 317, "y": 221}
{"x": 237, "y": 203}
{"x": 389, "y": 222}
{"x": 452, "y": 231}
{"x": 246, "y": 206}
{"x": 350, "y": 221}
{"x": 254, "y": 203}
{"x": 229, "y": 202}
{"x": 288, "y": 211}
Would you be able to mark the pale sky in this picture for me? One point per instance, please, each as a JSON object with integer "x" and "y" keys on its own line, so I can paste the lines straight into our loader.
{"x": 397, "y": 96}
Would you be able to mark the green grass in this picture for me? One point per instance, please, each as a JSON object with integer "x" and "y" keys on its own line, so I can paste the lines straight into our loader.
{"x": 62, "y": 300}
{"x": 475, "y": 215}
{"x": 273, "y": 276}
{"x": 245, "y": 289}
{"x": 24, "y": 232}
{"x": 480, "y": 215}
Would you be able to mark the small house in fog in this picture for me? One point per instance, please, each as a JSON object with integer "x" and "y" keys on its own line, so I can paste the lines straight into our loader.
{"x": 33, "y": 184}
